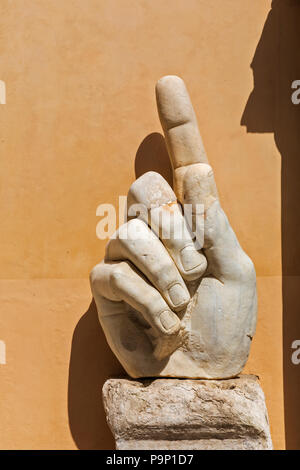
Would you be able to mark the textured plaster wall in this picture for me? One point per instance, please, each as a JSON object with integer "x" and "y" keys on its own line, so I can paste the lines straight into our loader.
{"x": 80, "y": 78}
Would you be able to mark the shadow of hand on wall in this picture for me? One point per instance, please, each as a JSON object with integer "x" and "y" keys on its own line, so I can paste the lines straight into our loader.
{"x": 276, "y": 65}
{"x": 92, "y": 361}
{"x": 152, "y": 155}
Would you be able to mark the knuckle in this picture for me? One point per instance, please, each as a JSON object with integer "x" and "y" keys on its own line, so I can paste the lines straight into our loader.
{"x": 118, "y": 274}
{"x": 154, "y": 302}
{"x": 202, "y": 170}
{"x": 166, "y": 270}
{"x": 134, "y": 224}
{"x": 133, "y": 229}
{"x": 116, "y": 278}
{"x": 150, "y": 188}
{"x": 95, "y": 273}
{"x": 207, "y": 170}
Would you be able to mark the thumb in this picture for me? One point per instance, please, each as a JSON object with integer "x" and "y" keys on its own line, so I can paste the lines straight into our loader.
{"x": 225, "y": 257}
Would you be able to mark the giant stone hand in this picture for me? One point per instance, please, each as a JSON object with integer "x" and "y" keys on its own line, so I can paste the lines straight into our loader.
{"x": 171, "y": 304}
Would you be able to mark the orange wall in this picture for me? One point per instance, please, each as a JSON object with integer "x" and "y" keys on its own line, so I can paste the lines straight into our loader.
{"x": 80, "y": 78}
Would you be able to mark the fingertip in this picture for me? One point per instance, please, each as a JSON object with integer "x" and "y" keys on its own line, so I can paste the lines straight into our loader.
{"x": 173, "y": 102}
{"x": 193, "y": 266}
{"x": 167, "y": 81}
{"x": 177, "y": 296}
{"x": 199, "y": 185}
{"x": 169, "y": 322}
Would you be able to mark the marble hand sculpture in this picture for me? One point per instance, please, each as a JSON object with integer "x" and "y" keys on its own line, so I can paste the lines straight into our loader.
{"x": 169, "y": 305}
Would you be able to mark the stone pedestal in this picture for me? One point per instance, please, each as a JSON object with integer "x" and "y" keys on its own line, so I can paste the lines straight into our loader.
{"x": 187, "y": 414}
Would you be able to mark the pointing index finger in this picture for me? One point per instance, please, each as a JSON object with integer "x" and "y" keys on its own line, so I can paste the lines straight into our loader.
{"x": 179, "y": 122}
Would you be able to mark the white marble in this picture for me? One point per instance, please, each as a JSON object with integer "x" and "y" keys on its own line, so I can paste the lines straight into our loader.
{"x": 170, "y": 304}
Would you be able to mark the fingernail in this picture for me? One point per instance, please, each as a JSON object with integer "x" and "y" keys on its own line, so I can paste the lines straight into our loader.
{"x": 178, "y": 295}
{"x": 190, "y": 258}
{"x": 168, "y": 319}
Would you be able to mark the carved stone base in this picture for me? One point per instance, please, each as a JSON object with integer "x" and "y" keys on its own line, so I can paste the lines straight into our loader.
{"x": 187, "y": 414}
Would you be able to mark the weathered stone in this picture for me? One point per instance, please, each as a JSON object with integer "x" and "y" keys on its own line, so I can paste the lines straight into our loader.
{"x": 187, "y": 414}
